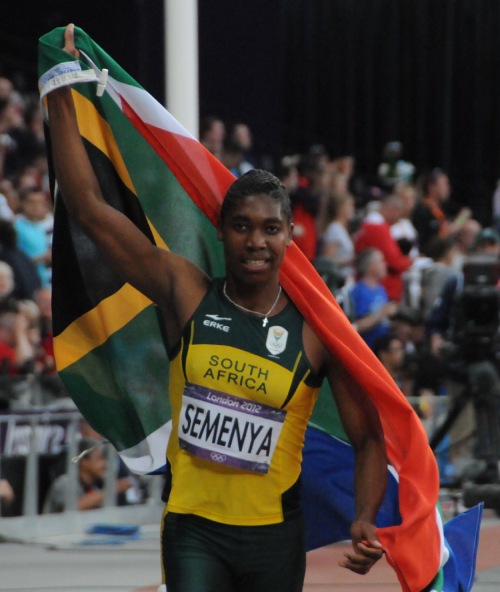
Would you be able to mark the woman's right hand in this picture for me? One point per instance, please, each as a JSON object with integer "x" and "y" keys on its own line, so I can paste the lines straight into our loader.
{"x": 69, "y": 41}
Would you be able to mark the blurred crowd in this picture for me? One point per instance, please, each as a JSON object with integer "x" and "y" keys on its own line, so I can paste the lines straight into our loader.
{"x": 26, "y": 225}
{"x": 389, "y": 243}
{"x": 28, "y": 377}
{"x": 393, "y": 246}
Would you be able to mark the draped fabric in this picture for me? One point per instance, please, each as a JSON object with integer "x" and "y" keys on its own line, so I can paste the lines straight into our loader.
{"x": 109, "y": 339}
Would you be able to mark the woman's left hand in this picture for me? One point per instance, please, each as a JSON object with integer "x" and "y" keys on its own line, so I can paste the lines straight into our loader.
{"x": 367, "y": 549}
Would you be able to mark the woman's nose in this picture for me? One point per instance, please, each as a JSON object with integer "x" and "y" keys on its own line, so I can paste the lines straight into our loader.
{"x": 256, "y": 239}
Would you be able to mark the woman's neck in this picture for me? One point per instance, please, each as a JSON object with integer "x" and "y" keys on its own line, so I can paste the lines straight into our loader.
{"x": 259, "y": 299}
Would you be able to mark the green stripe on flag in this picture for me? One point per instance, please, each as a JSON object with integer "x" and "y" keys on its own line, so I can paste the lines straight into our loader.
{"x": 127, "y": 373}
{"x": 325, "y": 415}
{"x": 51, "y": 53}
{"x": 174, "y": 215}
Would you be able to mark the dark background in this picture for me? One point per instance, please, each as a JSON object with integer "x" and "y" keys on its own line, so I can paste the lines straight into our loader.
{"x": 351, "y": 74}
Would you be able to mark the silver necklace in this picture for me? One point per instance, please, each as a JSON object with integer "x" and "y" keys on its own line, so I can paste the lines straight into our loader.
{"x": 254, "y": 312}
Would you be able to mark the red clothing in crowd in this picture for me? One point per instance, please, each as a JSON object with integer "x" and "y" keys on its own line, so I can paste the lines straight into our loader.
{"x": 376, "y": 233}
{"x": 305, "y": 233}
{"x": 7, "y": 359}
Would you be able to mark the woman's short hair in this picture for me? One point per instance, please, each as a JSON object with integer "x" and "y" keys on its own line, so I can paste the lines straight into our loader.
{"x": 256, "y": 182}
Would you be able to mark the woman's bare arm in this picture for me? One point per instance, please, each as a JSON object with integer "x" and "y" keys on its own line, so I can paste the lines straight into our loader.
{"x": 172, "y": 282}
{"x": 362, "y": 425}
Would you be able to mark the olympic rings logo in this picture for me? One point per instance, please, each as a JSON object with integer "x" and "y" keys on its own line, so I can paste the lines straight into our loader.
{"x": 216, "y": 457}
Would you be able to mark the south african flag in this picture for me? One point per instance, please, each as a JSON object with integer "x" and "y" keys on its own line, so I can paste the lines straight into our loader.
{"x": 109, "y": 341}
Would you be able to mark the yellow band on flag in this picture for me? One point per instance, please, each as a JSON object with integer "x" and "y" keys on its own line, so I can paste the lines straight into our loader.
{"x": 96, "y": 130}
{"x": 96, "y": 326}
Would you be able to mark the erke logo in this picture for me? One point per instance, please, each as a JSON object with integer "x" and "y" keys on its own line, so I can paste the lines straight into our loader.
{"x": 276, "y": 339}
{"x": 214, "y": 321}
{"x": 218, "y": 318}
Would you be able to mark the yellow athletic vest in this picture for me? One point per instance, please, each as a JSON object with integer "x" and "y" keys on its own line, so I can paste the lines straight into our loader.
{"x": 231, "y": 352}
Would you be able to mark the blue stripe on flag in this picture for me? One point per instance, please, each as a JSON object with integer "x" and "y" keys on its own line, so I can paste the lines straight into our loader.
{"x": 462, "y": 538}
{"x": 328, "y": 490}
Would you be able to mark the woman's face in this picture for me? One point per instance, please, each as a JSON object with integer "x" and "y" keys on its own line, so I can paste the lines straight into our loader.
{"x": 256, "y": 235}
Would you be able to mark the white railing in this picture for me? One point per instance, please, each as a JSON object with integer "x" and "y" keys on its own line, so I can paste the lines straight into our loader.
{"x": 27, "y": 436}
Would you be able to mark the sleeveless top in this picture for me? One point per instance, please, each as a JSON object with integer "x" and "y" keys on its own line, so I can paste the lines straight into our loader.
{"x": 231, "y": 356}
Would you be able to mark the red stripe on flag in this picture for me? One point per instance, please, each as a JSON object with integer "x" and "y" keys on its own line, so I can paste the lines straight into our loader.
{"x": 201, "y": 175}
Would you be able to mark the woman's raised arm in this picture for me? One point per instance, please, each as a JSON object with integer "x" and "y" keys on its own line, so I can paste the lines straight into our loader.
{"x": 172, "y": 282}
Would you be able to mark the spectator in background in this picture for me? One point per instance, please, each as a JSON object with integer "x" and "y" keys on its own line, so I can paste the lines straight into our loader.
{"x": 336, "y": 187}
{"x": 26, "y": 278}
{"x": 372, "y": 307}
{"x": 6, "y": 212}
{"x": 343, "y": 165}
{"x": 442, "y": 317}
{"x": 232, "y": 157}
{"x": 466, "y": 241}
{"x": 319, "y": 154}
{"x": 43, "y": 299}
{"x": 7, "y": 300}
{"x": 135, "y": 491}
{"x": 408, "y": 326}
{"x": 33, "y": 231}
{"x": 10, "y": 120}
{"x": 403, "y": 230}
{"x": 461, "y": 327}
{"x": 375, "y": 231}
{"x": 240, "y": 134}
{"x": 421, "y": 373}
{"x": 212, "y": 134}
{"x": 91, "y": 477}
{"x": 28, "y": 177}
{"x": 487, "y": 243}
{"x": 6, "y": 493}
{"x": 336, "y": 242}
{"x": 287, "y": 172}
{"x": 425, "y": 279}
{"x": 434, "y": 276}
{"x": 43, "y": 365}
{"x": 39, "y": 316}
{"x": 11, "y": 195}
{"x": 33, "y": 119}
{"x": 426, "y": 373}
{"x": 393, "y": 169}
{"x": 306, "y": 203}
{"x": 21, "y": 356}
{"x": 390, "y": 351}
{"x": 22, "y": 139}
{"x": 17, "y": 355}
{"x": 429, "y": 216}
